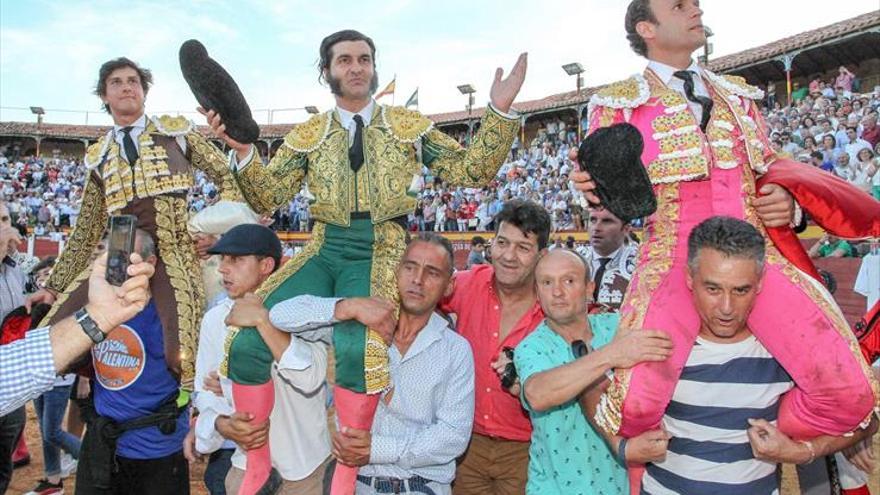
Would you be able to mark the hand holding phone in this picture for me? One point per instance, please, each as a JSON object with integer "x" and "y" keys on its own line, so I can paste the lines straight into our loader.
{"x": 120, "y": 245}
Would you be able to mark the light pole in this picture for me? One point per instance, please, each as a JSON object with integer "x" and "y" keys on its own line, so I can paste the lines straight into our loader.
{"x": 39, "y": 112}
{"x": 707, "y": 48}
{"x": 467, "y": 89}
{"x": 577, "y": 70}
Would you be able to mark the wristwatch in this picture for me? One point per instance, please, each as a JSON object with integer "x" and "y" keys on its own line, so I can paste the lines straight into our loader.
{"x": 89, "y": 326}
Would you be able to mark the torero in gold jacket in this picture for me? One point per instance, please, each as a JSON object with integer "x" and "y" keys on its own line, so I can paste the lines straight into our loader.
{"x": 154, "y": 189}
{"x": 359, "y": 234}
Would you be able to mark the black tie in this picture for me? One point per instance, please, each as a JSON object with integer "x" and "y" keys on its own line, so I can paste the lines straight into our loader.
{"x": 356, "y": 152}
{"x": 131, "y": 151}
{"x": 603, "y": 262}
{"x": 706, "y": 103}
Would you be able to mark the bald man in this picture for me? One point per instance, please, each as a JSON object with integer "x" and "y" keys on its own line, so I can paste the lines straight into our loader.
{"x": 568, "y": 355}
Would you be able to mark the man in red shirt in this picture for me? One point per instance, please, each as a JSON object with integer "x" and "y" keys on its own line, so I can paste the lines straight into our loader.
{"x": 496, "y": 308}
{"x": 870, "y": 131}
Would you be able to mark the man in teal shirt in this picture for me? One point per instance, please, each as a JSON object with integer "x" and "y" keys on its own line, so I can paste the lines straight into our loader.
{"x": 568, "y": 355}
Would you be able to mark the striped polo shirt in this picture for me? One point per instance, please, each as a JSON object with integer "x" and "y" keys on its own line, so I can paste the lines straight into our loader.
{"x": 721, "y": 387}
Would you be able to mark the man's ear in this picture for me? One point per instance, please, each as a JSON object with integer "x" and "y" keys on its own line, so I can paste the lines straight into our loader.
{"x": 450, "y": 288}
{"x": 689, "y": 279}
{"x": 646, "y": 30}
{"x": 267, "y": 265}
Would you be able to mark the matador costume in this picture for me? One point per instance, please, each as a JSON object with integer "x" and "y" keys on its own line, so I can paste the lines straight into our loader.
{"x": 698, "y": 173}
{"x": 153, "y": 189}
{"x": 357, "y": 241}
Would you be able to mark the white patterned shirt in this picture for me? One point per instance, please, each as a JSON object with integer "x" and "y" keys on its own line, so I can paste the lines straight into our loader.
{"x": 427, "y": 422}
{"x": 27, "y": 369}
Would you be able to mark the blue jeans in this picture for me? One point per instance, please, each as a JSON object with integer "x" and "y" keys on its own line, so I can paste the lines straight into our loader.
{"x": 51, "y": 407}
{"x": 218, "y": 467}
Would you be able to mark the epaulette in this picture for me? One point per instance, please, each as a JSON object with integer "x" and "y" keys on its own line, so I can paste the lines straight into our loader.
{"x": 172, "y": 126}
{"x": 407, "y": 126}
{"x": 736, "y": 85}
{"x": 307, "y": 136}
{"x": 629, "y": 93}
{"x": 95, "y": 152}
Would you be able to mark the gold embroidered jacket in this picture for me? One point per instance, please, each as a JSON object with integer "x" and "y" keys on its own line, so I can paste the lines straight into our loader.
{"x": 169, "y": 148}
{"x": 317, "y": 150}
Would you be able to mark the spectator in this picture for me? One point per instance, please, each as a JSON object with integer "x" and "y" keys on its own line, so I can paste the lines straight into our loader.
{"x": 476, "y": 255}
{"x": 830, "y": 246}
{"x": 423, "y": 424}
{"x": 842, "y": 166}
{"x": 496, "y": 307}
{"x": 855, "y": 144}
{"x": 564, "y": 358}
{"x": 870, "y": 129}
{"x": 844, "y": 80}
{"x": 140, "y": 403}
{"x": 249, "y": 255}
{"x": 866, "y": 170}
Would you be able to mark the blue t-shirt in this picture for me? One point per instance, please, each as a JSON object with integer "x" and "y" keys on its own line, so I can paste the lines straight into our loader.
{"x": 566, "y": 455}
{"x": 132, "y": 380}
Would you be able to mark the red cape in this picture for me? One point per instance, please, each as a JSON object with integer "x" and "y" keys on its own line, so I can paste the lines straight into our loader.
{"x": 834, "y": 204}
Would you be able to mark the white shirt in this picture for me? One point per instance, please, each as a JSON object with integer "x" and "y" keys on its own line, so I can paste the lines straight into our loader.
{"x": 665, "y": 73}
{"x": 868, "y": 279}
{"x": 138, "y": 127}
{"x": 427, "y": 422}
{"x": 299, "y": 439}
{"x": 346, "y": 118}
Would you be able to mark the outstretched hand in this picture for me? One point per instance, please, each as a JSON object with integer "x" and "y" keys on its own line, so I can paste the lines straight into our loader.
{"x": 219, "y": 130}
{"x": 504, "y": 91}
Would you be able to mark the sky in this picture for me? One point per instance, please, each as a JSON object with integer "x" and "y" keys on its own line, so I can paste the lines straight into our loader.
{"x": 50, "y": 51}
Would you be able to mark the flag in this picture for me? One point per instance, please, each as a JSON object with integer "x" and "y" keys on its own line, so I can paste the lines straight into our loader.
{"x": 413, "y": 100}
{"x": 389, "y": 90}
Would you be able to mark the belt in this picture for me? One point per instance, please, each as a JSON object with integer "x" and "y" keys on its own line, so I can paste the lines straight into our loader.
{"x": 384, "y": 484}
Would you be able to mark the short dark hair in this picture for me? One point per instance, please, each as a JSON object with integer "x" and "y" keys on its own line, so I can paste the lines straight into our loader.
{"x": 638, "y": 11}
{"x": 731, "y": 236}
{"x": 437, "y": 240}
{"x": 47, "y": 262}
{"x": 325, "y": 53}
{"x": 527, "y": 216}
{"x": 148, "y": 244}
{"x": 478, "y": 240}
{"x": 104, "y": 72}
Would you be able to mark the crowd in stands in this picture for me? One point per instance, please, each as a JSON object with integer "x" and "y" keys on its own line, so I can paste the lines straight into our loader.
{"x": 829, "y": 124}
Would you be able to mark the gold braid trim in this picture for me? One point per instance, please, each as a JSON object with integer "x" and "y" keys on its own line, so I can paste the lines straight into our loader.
{"x": 266, "y": 187}
{"x": 172, "y": 126}
{"x": 89, "y": 228}
{"x": 274, "y": 281}
{"x": 206, "y": 157}
{"x": 477, "y": 165}
{"x": 309, "y": 135}
{"x": 389, "y": 242}
{"x": 182, "y": 265}
{"x": 407, "y": 126}
{"x": 81, "y": 277}
{"x": 654, "y": 261}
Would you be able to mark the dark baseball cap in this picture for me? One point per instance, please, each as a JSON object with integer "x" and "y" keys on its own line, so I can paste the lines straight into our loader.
{"x": 249, "y": 239}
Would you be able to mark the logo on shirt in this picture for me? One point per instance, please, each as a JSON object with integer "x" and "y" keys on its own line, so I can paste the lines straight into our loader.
{"x": 119, "y": 360}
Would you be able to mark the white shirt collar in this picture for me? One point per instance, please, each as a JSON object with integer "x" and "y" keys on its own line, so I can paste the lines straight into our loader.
{"x": 665, "y": 72}
{"x": 139, "y": 125}
{"x": 346, "y": 118}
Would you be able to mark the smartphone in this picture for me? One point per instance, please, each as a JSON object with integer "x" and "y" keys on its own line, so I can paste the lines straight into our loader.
{"x": 120, "y": 245}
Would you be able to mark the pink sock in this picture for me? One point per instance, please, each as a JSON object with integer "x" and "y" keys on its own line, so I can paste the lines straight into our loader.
{"x": 259, "y": 401}
{"x": 353, "y": 410}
